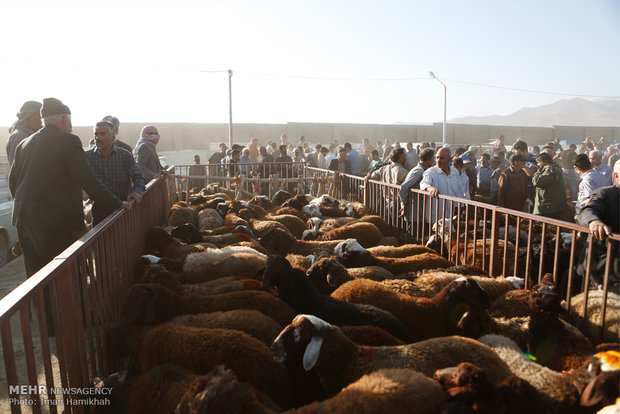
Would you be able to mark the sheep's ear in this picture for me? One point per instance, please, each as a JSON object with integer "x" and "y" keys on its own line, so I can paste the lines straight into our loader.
{"x": 312, "y": 352}
{"x": 331, "y": 281}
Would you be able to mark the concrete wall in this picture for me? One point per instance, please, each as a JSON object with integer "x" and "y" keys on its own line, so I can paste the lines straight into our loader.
{"x": 177, "y": 137}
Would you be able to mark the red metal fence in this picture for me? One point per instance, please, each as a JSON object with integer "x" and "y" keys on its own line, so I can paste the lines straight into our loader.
{"x": 87, "y": 283}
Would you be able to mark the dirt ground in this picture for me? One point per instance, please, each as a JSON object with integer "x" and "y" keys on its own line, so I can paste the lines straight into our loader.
{"x": 11, "y": 275}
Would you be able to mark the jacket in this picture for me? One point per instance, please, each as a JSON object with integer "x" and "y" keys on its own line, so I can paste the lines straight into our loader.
{"x": 512, "y": 189}
{"x": 550, "y": 193}
{"x": 48, "y": 175}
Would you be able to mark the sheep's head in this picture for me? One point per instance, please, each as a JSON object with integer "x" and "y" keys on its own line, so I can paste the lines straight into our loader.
{"x": 293, "y": 203}
{"x": 222, "y": 208}
{"x": 262, "y": 201}
{"x": 220, "y": 388}
{"x": 242, "y": 229}
{"x": 157, "y": 238}
{"x": 302, "y": 336}
{"x": 280, "y": 197}
{"x": 545, "y": 298}
{"x": 350, "y": 252}
{"x": 140, "y": 266}
{"x": 327, "y": 274}
{"x": 147, "y": 304}
{"x": 469, "y": 291}
{"x": 465, "y": 378}
{"x": 158, "y": 274}
{"x": 276, "y": 266}
{"x": 326, "y": 201}
{"x": 312, "y": 210}
{"x": 278, "y": 240}
{"x": 187, "y": 232}
{"x": 349, "y": 210}
{"x": 197, "y": 201}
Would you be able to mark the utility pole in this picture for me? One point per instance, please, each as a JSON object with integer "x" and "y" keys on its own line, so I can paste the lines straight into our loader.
{"x": 230, "y": 125}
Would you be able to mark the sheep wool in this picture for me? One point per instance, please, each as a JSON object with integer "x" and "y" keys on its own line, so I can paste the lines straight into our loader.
{"x": 209, "y": 219}
{"x": 210, "y": 256}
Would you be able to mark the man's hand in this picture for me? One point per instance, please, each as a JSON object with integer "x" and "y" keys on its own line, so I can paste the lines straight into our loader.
{"x": 599, "y": 229}
{"x": 125, "y": 206}
{"x": 529, "y": 171}
{"x": 434, "y": 191}
{"x": 137, "y": 197}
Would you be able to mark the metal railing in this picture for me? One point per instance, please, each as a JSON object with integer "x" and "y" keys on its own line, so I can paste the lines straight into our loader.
{"x": 87, "y": 283}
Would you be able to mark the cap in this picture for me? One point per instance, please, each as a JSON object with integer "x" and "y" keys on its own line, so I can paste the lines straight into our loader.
{"x": 53, "y": 106}
{"x": 28, "y": 109}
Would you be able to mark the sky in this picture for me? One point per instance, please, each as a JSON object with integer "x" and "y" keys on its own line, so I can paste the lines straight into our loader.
{"x": 304, "y": 61}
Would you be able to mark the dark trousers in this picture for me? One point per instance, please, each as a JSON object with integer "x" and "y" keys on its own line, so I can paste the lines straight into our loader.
{"x": 39, "y": 247}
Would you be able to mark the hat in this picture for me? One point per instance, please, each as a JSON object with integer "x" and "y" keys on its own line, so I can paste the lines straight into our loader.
{"x": 465, "y": 158}
{"x": 517, "y": 157}
{"x": 28, "y": 109}
{"x": 53, "y": 106}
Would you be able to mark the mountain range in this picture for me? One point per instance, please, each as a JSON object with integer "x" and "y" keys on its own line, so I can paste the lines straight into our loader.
{"x": 568, "y": 112}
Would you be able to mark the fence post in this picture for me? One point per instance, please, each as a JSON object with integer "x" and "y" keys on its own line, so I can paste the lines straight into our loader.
{"x": 366, "y": 192}
{"x": 494, "y": 237}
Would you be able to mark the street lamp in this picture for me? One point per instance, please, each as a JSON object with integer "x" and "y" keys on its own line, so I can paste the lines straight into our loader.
{"x": 445, "y": 93}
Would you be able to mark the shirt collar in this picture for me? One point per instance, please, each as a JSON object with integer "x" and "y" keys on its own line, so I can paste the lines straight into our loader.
{"x": 98, "y": 152}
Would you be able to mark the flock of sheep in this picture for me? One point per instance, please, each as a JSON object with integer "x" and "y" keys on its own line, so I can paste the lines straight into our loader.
{"x": 313, "y": 306}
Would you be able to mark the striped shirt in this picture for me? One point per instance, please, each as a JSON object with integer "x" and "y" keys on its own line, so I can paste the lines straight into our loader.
{"x": 118, "y": 171}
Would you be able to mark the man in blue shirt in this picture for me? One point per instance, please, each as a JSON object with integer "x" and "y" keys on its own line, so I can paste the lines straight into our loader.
{"x": 354, "y": 158}
{"x": 484, "y": 171}
{"x": 115, "y": 167}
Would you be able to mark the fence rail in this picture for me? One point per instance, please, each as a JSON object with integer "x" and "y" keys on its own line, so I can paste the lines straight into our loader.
{"x": 86, "y": 284}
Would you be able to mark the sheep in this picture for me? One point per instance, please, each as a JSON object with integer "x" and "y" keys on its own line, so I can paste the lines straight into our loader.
{"x": 557, "y": 387}
{"x": 223, "y": 240}
{"x": 187, "y": 233}
{"x": 339, "y": 361}
{"x": 252, "y": 322}
{"x": 298, "y": 261}
{"x": 351, "y": 254}
{"x": 312, "y": 210}
{"x": 158, "y": 239}
{"x": 148, "y": 304}
{"x": 466, "y": 253}
{"x": 367, "y": 234}
{"x": 209, "y": 219}
{"x": 370, "y": 335}
{"x": 511, "y": 304}
{"x": 326, "y": 274}
{"x": 292, "y": 212}
{"x": 296, "y": 290}
{"x": 263, "y": 202}
{"x": 429, "y": 284}
{"x": 181, "y": 215}
{"x": 202, "y": 349}
{"x": 249, "y": 258}
{"x": 293, "y": 224}
{"x": 392, "y": 391}
{"x": 280, "y": 197}
{"x": 592, "y": 322}
{"x": 603, "y": 389}
{"x": 555, "y": 343}
{"x": 379, "y": 222}
{"x": 425, "y": 318}
{"x": 260, "y": 227}
{"x": 329, "y": 224}
{"x": 313, "y": 233}
{"x": 283, "y": 243}
{"x": 470, "y": 385}
{"x": 401, "y": 251}
{"x": 476, "y": 323}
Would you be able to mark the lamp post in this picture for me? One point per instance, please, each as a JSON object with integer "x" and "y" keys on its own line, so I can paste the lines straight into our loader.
{"x": 445, "y": 93}
{"x": 230, "y": 124}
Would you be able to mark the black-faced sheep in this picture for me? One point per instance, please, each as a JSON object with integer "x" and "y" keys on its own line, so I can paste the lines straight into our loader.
{"x": 296, "y": 290}
{"x": 283, "y": 243}
{"x": 339, "y": 361}
{"x": 425, "y": 318}
{"x": 158, "y": 240}
{"x": 148, "y": 304}
{"x": 352, "y": 254}
{"x": 392, "y": 391}
{"x": 202, "y": 349}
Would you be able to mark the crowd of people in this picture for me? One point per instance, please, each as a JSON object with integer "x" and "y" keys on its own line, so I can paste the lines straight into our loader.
{"x": 49, "y": 170}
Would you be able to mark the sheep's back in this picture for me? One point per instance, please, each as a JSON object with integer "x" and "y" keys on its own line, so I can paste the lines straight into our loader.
{"x": 400, "y": 251}
{"x": 367, "y": 234}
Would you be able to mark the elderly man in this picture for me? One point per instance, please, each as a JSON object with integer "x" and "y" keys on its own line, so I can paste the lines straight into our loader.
{"x": 48, "y": 175}
{"x": 440, "y": 179}
{"x": 28, "y": 122}
{"x": 146, "y": 155}
{"x": 596, "y": 158}
{"x": 244, "y": 161}
{"x": 115, "y": 167}
{"x": 601, "y": 216}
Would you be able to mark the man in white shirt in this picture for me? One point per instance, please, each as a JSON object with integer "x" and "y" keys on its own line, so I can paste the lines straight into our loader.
{"x": 590, "y": 181}
{"x": 328, "y": 157}
{"x": 412, "y": 157}
{"x": 440, "y": 179}
{"x": 596, "y": 159}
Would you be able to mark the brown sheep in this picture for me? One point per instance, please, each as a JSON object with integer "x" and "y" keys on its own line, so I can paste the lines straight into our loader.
{"x": 148, "y": 304}
{"x": 283, "y": 243}
{"x": 425, "y": 318}
{"x": 326, "y": 274}
{"x": 182, "y": 215}
{"x": 367, "y": 234}
{"x": 380, "y": 222}
{"x": 405, "y": 250}
{"x": 293, "y": 212}
{"x": 202, "y": 349}
{"x": 293, "y": 223}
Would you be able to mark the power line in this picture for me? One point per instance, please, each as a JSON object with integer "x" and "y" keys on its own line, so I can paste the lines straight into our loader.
{"x": 333, "y": 79}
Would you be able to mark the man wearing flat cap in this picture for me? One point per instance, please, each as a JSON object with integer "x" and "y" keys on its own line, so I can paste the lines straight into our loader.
{"x": 28, "y": 122}
{"x": 48, "y": 175}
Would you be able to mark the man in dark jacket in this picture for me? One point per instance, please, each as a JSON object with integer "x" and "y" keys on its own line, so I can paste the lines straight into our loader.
{"x": 47, "y": 178}
{"x": 512, "y": 185}
{"x": 341, "y": 164}
{"x": 601, "y": 216}
{"x": 550, "y": 198}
